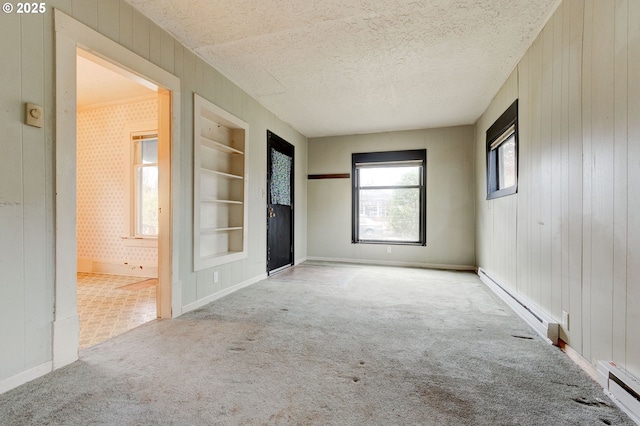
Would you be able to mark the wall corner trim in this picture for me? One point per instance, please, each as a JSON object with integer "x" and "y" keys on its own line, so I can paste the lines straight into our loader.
{"x": 66, "y": 341}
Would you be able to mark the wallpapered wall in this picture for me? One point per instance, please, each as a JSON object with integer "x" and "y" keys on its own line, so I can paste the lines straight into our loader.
{"x": 102, "y": 183}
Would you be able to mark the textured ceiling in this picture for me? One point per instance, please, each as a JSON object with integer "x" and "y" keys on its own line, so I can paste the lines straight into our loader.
{"x": 335, "y": 67}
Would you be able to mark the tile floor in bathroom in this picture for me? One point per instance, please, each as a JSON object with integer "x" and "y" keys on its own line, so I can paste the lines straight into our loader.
{"x": 108, "y": 305}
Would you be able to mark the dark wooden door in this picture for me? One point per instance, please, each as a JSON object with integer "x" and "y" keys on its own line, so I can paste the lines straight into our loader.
{"x": 280, "y": 177}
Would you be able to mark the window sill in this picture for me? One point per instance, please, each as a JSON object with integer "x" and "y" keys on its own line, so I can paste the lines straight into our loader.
{"x": 502, "y": 192}
{"x": 150, "y": 242}
{"x": 390, "y": 243}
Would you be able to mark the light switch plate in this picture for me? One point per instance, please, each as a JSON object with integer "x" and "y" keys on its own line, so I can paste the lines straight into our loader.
{"x": 33, "y": 115}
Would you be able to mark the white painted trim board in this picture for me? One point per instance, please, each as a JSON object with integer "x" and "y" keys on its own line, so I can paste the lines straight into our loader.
{"x": 217, "y": 295}
{"x": 25, "y": 376}
{"x": 395, "y": 263}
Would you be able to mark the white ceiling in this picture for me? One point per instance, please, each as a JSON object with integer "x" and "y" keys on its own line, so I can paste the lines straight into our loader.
{"x": 100, "y": 83}
{"x": 336, "y": 67}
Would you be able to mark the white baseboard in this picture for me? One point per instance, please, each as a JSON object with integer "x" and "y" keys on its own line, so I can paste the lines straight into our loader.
{"x": 112, "y": 267}
{"x": 176, "y": 299}
{"x": 25, "y": 376}
{"x": 215, "y": 296}
{"x": 66, "y": 341}
{"x": 395, "y": 263}
{"x": 542, "y": 323}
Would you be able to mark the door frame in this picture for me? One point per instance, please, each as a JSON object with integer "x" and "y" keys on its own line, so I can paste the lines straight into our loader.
{"x": 273, "y": 139}
{"x": 69, "y": 36}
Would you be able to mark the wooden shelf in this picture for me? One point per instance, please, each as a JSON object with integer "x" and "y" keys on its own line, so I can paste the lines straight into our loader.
{"x": 219, "y": 143}
{"x": 220, "y": 255}
{"x": 211, "y": 200}
{"x": 218, "y": 146}
{"x": 205, "y": 231}
{"x": 207, "y": 119}
{"x": 217, "y": 173}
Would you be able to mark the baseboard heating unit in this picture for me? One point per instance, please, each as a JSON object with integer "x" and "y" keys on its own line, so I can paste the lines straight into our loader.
{"x": 541, "y": 322}
{"x": 621, "y": 387}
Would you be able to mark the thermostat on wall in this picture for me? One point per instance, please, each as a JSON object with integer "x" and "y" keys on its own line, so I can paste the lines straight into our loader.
{"x": 33, "y": 115}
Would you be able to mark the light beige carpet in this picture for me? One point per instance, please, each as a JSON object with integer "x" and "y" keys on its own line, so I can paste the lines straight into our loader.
{"x": 324, "y": 344}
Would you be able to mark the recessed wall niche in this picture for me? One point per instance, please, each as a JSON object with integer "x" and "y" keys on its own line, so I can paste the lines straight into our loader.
{"x": 220, "y": 186}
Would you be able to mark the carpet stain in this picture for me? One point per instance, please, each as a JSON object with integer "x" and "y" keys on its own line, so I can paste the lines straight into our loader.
{"x": 522, "y": 337}
{"x": 565, "y": 384}
{"x": 590, "y": 403}
{"x": 445, "y": 401}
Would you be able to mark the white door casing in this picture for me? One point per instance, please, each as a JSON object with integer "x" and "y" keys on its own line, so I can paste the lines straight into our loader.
{"x": 71, "y": 35}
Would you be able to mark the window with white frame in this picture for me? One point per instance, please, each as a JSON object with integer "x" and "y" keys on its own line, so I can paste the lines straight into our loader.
{"x": 502, "y": 154}
{"x": 144, "y": 185}
{"x": 389, "y": 197}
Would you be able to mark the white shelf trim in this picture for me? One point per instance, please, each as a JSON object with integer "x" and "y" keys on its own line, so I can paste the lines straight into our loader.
{"x": 218, "y": 255}
{"x": 219, "y": 146}
{"x": 205, "y": 231}
{"x": 213, "y": 200}
{"x": 223, "y": 174}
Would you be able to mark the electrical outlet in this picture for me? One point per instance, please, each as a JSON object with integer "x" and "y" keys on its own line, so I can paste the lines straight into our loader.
{"x": 215, "y": 277}
{"x": 565, "y": 320}
{"x": 388, "y": 249}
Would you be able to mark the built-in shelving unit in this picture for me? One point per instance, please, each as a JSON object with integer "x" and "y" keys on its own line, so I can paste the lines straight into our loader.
{"x": 220, "y": 186}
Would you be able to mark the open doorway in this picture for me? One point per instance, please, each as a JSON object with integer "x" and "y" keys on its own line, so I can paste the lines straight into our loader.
{"x": 117, "y": 225}
{"x": 71, "y": 35}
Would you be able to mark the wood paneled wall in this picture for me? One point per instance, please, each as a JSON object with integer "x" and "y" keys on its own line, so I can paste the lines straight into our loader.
{"x": 27, "y": 197}
{"x": 569, "y": 240}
